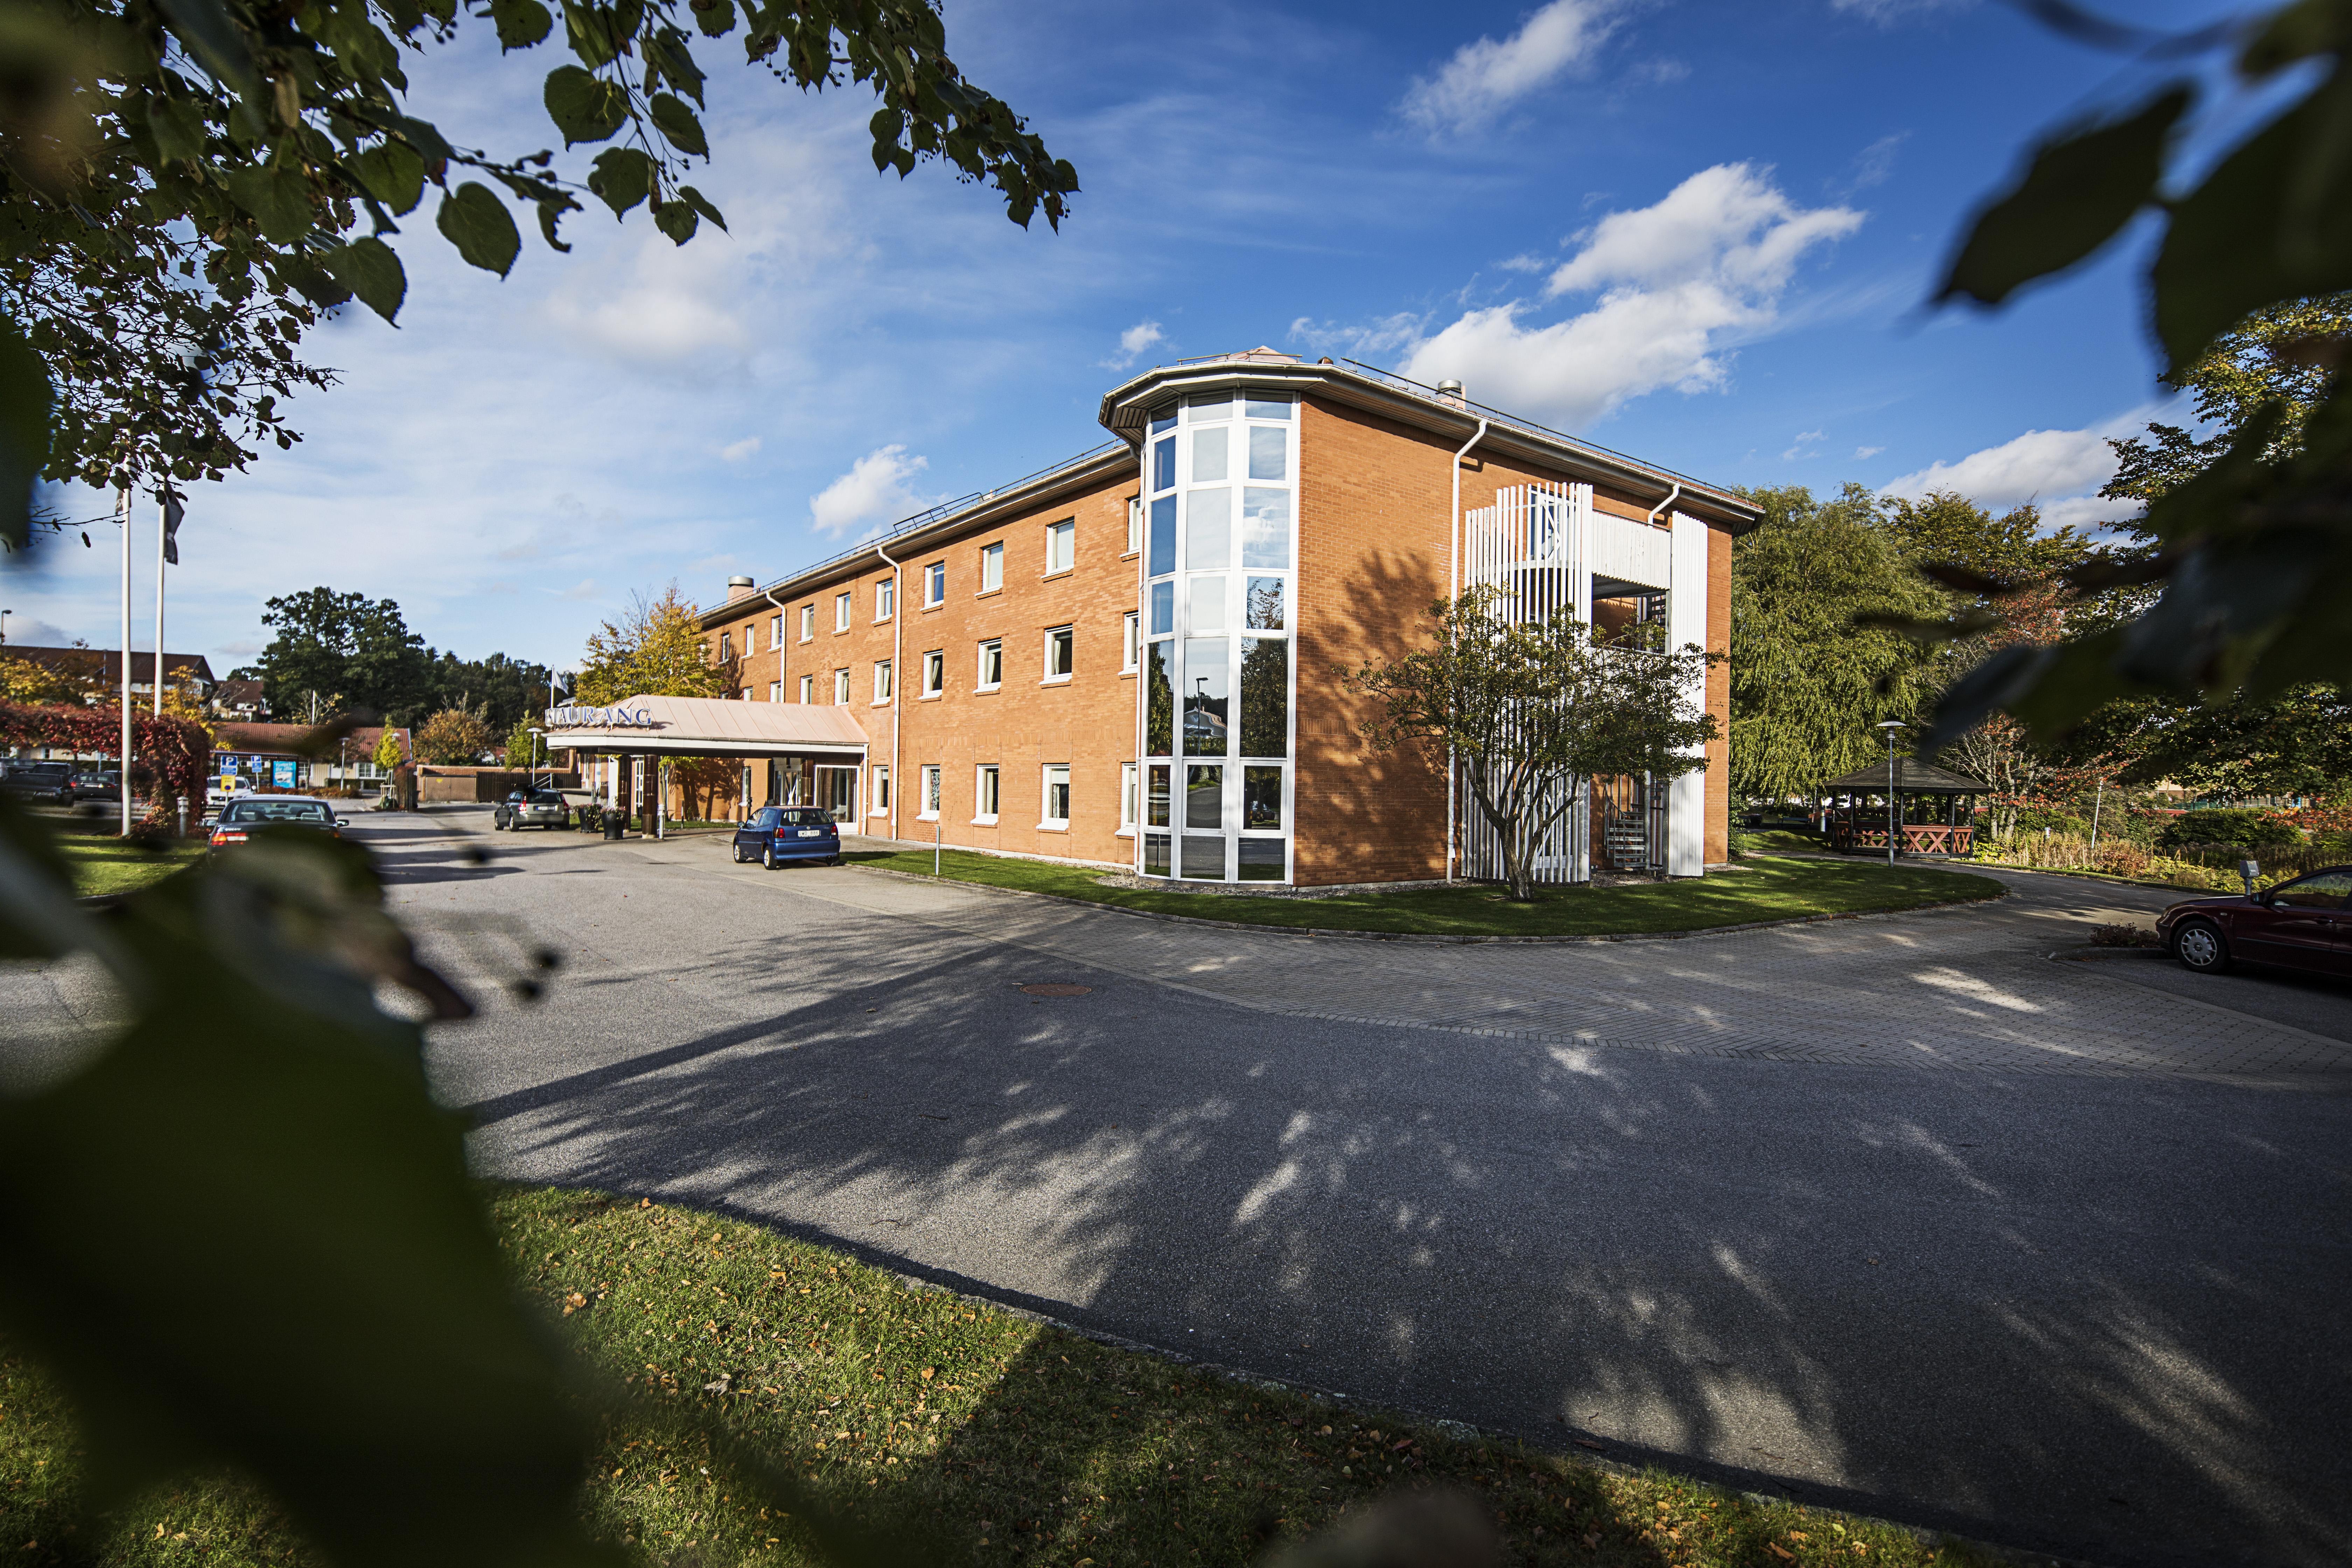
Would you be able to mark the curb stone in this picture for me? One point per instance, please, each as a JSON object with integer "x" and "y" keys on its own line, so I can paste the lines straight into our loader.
{"x": 1435, "y": 938}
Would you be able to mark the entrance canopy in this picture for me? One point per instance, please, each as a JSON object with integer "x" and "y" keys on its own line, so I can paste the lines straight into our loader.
{"x": 709, "y": 727}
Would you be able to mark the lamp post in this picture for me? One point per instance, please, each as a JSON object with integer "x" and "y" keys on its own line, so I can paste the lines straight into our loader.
{"x": 4, "y": 627}
{"x": 538, "y": 739}
{"x": 1890, "y": 726}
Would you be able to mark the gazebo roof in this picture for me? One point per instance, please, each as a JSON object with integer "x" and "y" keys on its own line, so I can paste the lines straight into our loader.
{"x": 1911, "y": 776}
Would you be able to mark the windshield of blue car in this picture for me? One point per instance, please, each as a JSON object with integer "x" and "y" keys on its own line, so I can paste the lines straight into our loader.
{"x": 251, "y": 811}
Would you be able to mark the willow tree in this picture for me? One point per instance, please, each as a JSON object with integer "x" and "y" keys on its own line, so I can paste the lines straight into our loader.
{"x": 1807, "y": 686}
{"x": 1535, "y": 709}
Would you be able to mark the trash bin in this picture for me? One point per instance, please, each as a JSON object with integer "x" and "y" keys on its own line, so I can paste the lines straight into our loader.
{"x": 614, "y": 823}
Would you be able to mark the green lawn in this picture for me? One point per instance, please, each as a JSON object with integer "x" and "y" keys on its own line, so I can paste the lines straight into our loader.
{"x": 1766, "y": 888}
{"x": 105, "y": 864}
{"x": 1764, "y": 840}
{"x": 979, "y": 1436}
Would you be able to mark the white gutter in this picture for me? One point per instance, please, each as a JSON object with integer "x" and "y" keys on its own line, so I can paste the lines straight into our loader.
{"x": 1672, "y": 496}
{"x": 1453, "y": 586}
{"x": 897, "y": 675}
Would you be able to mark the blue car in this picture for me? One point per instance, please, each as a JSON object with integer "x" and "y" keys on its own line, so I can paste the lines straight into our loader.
{"x": 779, "y": 835}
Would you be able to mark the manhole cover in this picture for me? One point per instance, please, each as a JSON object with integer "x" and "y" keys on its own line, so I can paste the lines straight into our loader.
{"x": 1056, "y": 988}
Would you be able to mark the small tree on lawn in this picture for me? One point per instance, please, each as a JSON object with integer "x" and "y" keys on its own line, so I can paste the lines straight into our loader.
{"x": 453, "y": 738}
{"x": 388, "y": 754}
{"x": 1534, "y": 710}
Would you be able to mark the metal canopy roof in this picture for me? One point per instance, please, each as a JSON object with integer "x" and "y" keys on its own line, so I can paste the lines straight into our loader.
{"x": 1911, "y": 776}
{"x": 709, "y": 727}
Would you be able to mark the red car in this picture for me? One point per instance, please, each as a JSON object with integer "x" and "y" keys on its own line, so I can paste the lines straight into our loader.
{"x": 2304, "y": 924}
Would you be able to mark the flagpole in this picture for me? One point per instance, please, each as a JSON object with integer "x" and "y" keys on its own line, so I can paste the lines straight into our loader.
{"x": 122, "y": 513}
{"x": 160, "y": 535}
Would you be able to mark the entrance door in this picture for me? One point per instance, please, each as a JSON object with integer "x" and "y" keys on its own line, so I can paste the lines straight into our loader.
{"x": 836, "y": 791}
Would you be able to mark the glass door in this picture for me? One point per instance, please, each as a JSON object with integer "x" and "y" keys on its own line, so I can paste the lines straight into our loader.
{"x": 836, "y": 791}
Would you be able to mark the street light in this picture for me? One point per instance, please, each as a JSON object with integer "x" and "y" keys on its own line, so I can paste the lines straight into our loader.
{"x": 4, "y": 627}
{"x": 535, "y": 745}
{"x": 1890, "y": 726}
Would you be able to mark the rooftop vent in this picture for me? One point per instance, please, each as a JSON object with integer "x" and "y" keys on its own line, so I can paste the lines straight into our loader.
{"x": 1450, "y": 389}
{"x": 737, "y": 587}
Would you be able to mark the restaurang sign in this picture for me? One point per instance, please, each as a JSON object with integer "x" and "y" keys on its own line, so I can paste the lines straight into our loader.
{"x": 571, "y": 717}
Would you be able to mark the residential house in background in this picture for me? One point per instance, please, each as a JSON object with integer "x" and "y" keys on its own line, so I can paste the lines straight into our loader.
{"x": 263, "y": 756}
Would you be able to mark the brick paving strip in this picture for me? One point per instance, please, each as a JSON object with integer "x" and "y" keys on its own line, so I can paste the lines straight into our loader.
{"x": 1970, "y": 985}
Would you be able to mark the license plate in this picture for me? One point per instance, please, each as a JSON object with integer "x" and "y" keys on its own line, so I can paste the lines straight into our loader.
{"x": 812, "y": 832}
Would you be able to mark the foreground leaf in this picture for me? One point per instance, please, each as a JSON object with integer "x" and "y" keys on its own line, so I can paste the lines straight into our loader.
{"x": 479, "y": 225}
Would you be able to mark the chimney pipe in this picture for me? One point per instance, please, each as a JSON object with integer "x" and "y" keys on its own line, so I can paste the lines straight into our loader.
{"x": 737, "y": 589}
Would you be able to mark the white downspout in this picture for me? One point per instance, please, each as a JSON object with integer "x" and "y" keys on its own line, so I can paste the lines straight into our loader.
{"x": 1453, "y": 591}
{"x": 783, "y": 613}
{"x": 1672, "y": 496}
{"x": 897, "y": 675}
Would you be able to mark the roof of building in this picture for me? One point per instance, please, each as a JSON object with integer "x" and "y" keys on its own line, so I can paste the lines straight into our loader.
{"x": 285, "y": 740}
{"x": 1911, "y": 776}
{"x": 707, "y": 726}
{"x": 231, "y": 692}
{"x": 99, "y": 663}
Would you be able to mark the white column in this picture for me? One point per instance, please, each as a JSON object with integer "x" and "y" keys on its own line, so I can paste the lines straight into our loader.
{"x": 1686, "y": 625}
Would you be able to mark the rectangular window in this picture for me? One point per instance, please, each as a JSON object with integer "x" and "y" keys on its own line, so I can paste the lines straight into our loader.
{"x": 881, "y": 791}
{"x": 1205, "y": 796}
{"x": 840, "y": 612}
{"x": 726, "y": 648}
{"x": 1061, "y": 546}
{"x": 1269, "y": 453}
{"x": 1208, "y": 406}
{"x": 930, "y": 803}
{"x": 984, "y": 797}
{"x": 1129, "y": 778}
{"x": 1160, "y": 700}
{"x": 1262, "y": 609}
{"x": 991, "y": 664}
{"x": 1262, "y": 406}
{"x": 841, "y": 688}
{"x": 886, "y": 598}
{"x": 1163, "y": 608}
{"x": 1205, "y": 856}
{"x": 882, "y": 681}
{"x": 1060, "y": 645}
{"x": 1155, "y": 856}
{"x": 1262, "y": 799}
{"x": 808, "y": 688}
{"x": 1057, "y": 796}
{"x": 1206, "y": 607}
{"x": 1207, "y": 696}
{"x": 935, "y": 583}
{"x": 935, "y": 672}
{"x": 1163, "y": 536}
{"x": 1265, "y": 528}
{"x": 992, "y": 568}
{"x": 1209, "y": 456}
{"x": 1265, "y": 697}
{"x": 775, "y": 691}
{"x": 808, "y": 622}
{"x": 1134, "y": 524}
{"x": 1208, "y": 530}
{"x": 776, "y": 631}
{"x": 1130, "y": 642}
{"x": 1163, "y": 464}
{"x": 1157, "y": 804}
{"x": 1262, "y": 860}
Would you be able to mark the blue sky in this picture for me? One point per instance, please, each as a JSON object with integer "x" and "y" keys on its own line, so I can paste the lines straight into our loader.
{"x": 1700, "y": 232}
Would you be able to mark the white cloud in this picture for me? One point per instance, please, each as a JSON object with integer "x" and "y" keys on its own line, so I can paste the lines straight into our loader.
{"x": 1484, "y": 77}
{"x": 1681, "y": 282}
{"x": 238, "y": 649}
{"x": 1886, "y": 11}
{"x": 874, "y": 492}
{"x": 1797, "y": 448}
{"x": 584, "y": 589}
{"x": 736, "y": 451}
{"x": 31, "y": 631}
{"x": 2060, "y": 470}
{"x": 1133, "y": 342}
{"x": 1383, "y": 336}
{"x": 1861, "y": 452}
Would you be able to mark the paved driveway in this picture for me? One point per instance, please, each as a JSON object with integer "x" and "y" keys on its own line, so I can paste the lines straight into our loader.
{"x": 1894, "y": 1214}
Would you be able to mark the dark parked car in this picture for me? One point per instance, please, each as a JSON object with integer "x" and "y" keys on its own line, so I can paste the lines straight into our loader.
{"x": 779, "y": 835}
{"x": 97, "y": 785}
{"x": 2304, "y": 924}
{"x": 49, "y": 782}
{"x": 241, "y": 817}
{"x": 534, "y": 808}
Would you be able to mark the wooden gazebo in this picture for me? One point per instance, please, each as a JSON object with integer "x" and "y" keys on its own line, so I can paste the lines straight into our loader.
{"x": 1853, "y": 822}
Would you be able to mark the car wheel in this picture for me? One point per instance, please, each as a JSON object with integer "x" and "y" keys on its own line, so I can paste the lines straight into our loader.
{"x": 768, "y": 858}
{"x": 2201, "y": 947}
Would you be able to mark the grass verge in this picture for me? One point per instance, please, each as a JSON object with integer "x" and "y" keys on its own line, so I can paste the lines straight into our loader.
{"x": 104, "y": 864}
{"x": 1763, "y": 889}
{"x": 984, "y": 1438}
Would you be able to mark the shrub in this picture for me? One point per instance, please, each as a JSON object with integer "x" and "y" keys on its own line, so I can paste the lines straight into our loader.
{"x": 2236, "y": 826}
{"x": 2041, "y": 818}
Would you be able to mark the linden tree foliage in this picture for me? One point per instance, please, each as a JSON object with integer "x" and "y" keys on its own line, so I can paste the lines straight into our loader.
{"x": 185, "y": 185}
{"x": 2253, "y": 541}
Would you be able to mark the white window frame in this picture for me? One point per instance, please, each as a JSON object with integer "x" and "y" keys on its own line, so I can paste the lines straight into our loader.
{"x": 841, "y": 687}
{"x": 882, "y": 682}
{"x": 1131, "y": 650}
{"x": 841, "y": 611}
{"x": 727, "y": 647}
{"x": 881, "y": 790}
{"x": 935, "y": 673}
{"x": 1047, "y": 821}
{"x": 929, "y": 800}
{"x": 808, "y": 622}
{"x": 775, "y": 691}
{"x": 994, "y": 646}
{"x": 991, "y": 567}
{"x": 1061, "y": 546}
{"x": 1063, "y": 678}
{"x": 987, "y": 780}
{"x": 886, "y": 598}
{"x": 776, "y": 631}
{"x": 808, "y": 690}
{"x": 1131, "y": 781}
{"x": 1134, "y": 524}
{"x": 935, "y": 584}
